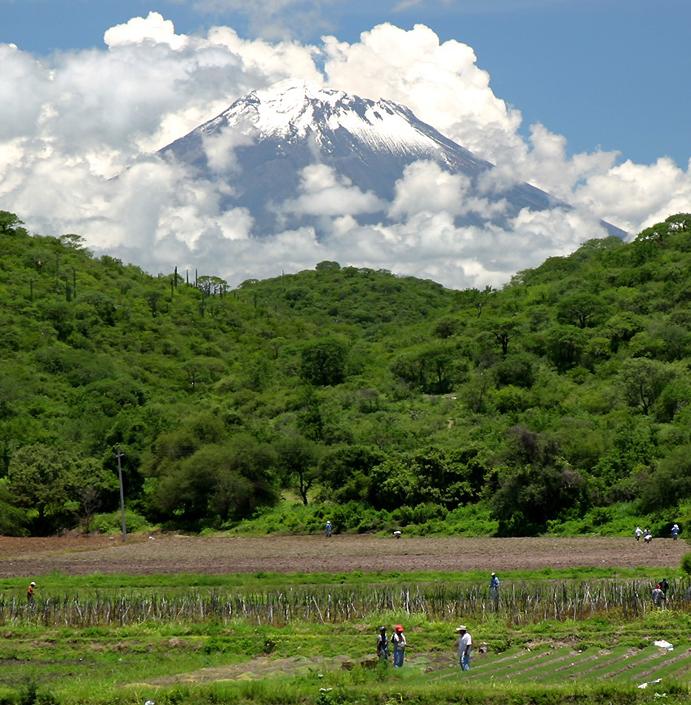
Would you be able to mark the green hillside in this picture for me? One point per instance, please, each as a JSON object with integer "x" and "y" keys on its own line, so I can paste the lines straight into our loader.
{"x": 559, "y": 403}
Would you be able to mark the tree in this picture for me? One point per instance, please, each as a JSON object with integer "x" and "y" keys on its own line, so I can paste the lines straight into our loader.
{"x": 95, "y": 486}
{"x": 503, "y": 331}
{"x": 517, "y": 370}
{"x": 529, "y": 497}
{"x": 643, "y": 381}
{"x": 323, "y": 363}
{"x": 565, "y": 345}
{"x": 669, "y": 483}
{"x": 298, "y": 462}
{"x": 579, "y": 309}
{"x": 346, "y": 470}
{"x": 13, "y": 520}
{"x": 46, "y": 481}
{"x": 216, "y": 484}
{"x": 10, "y": 224}
{"x": 432, "y": 368}
{"x": 535, "y": 485}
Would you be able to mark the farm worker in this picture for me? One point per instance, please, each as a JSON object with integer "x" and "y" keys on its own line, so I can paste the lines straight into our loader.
{"x": 399, "y": 644}
{"x": 397, "y": 534}
{"x": 675, "y": 531}
{"x": 30, "y": 592}
{"x": 647, "y": 536}
{"x": 465, "y": 644}
{"x": 658, "y": 595}
{"x": 494, "y": 584}
{"x": 664, "y": 585}
{"x": 328, "y": 529}
{"x": 638, "y": 533}
{"x": 383, "y": 645}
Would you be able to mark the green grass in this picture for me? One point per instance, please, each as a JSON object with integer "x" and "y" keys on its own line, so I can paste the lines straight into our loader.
{"x": 595, "y": 660}
{"x": 74, "y": 664}
{"x": 265, "y": 580}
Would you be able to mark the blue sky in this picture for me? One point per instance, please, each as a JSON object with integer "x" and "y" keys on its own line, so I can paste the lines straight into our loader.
{"x": 604, "y": 73}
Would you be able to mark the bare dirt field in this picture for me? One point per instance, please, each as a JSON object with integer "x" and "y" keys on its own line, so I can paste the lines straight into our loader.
{"x": 217, "y": 555}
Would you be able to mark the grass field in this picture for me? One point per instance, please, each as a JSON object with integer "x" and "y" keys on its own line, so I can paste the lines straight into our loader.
{"x": 557, "y": 635}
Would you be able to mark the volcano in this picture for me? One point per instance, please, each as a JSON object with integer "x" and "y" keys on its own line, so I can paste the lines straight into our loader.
{"x": 258, "y": 149}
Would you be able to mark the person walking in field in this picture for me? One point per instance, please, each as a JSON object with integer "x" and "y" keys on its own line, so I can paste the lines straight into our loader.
{"x": 399, "y": 646}
{"x": 328, "y": 529}
{"x": 647, "y": 536}
{"x": 465, "y": 645}
{"x": 383, "y": 645}
{"x": 658, "y": 595}
{"x": 675, "y": 531}
{"x": 30, "y": 593}
{"x": 638, "y": 533}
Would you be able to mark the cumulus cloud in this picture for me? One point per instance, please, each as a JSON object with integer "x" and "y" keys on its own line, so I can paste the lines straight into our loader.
{"x": 427, "y": 188}
{"x": 440, "y": 81}
{"x": 219, "y": 149}
{"x": 70, "y": 122}
{"x": 152, "y": 28}
{"x": 24, "y": 82}
{"x": 325, "y": 193}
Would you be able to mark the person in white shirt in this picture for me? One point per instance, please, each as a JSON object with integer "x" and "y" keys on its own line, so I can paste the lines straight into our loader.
{"x": 399, "y": 645}
{"x": 465, "y": 644}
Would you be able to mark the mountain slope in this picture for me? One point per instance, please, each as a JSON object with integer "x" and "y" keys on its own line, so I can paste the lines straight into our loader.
{"x": 390, "y": 392}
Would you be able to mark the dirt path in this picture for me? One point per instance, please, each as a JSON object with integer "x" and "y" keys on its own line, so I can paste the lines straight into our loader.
{"x": 260, "y": 667}
{"x": 218, "y": 555}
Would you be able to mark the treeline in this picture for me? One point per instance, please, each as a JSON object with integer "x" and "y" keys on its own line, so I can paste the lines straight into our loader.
{"x": 545, "y": 403}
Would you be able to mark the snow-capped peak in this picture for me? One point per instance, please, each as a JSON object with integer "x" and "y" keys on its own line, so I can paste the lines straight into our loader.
{"x": 292, "y": 110}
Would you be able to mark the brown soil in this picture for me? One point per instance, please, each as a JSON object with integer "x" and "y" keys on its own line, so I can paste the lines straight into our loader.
{"x": 217, "y": 555}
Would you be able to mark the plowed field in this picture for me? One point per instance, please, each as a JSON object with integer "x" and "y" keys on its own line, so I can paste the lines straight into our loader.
{"x": 217, "y": 555}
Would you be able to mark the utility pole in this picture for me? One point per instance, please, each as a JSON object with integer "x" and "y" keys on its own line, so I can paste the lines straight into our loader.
{"x": 119, "y": 454}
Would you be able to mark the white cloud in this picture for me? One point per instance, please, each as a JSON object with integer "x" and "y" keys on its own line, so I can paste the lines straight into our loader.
{"x": 23, "y": 83}
{"x": 152, "y": 28}
{"x": 323, "y": 192}
{"x": 427, "y": 188}
{"x": 220, "y": 147}
{"x": 638, "y": 195}
{"x": 439, "y": 81}
{"x": 69, "y": 121}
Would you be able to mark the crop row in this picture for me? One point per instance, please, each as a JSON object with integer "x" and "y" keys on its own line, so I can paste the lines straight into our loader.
{"x": 518, "y": 603}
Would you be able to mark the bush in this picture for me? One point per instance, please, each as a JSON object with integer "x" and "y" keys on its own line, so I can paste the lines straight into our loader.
{"x": 686, "y": 563}
{"x": 110, "y": 523}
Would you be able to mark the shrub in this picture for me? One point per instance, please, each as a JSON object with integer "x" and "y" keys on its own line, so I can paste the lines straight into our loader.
{"x": 686, "y": 563}
{"x": 110, "y": 523}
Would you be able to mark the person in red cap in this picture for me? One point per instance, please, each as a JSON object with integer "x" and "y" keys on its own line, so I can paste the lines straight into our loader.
{"x": 399, "y": 644}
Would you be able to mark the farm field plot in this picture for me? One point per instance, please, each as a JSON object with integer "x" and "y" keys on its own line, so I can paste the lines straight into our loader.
{"x": 547, "y": 665}
{"x": 291, "y": 620}
{"x": 554, "y": 665}
{"x": 277, "y": 554}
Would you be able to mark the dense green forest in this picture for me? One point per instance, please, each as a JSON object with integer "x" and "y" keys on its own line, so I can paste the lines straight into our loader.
{"x": 558, "y": 403}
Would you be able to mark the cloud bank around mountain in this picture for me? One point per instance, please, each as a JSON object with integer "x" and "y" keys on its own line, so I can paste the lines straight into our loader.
{"x": 72, "y": 121}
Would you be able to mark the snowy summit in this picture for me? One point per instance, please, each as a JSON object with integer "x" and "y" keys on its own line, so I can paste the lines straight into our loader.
{"x": 295, "y": 110}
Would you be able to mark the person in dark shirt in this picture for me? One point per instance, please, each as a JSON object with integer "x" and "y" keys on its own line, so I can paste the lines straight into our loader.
{"x": 383, "y": 645}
